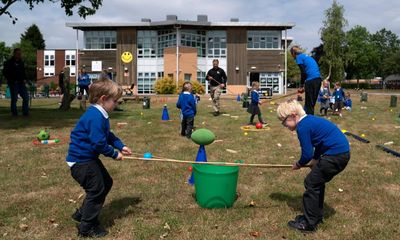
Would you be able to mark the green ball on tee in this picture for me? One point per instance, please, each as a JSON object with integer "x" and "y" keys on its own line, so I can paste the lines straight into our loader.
{"x": 203, "y": 136}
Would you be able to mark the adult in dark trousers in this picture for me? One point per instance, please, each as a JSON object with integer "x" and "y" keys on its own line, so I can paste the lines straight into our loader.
{"x": 310, "y": 78}
{"x": 14, "y": 72}
{"x": 217, "y": 79}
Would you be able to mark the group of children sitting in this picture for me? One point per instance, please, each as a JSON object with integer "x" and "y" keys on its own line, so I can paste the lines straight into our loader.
{"x": 335, "y": 100}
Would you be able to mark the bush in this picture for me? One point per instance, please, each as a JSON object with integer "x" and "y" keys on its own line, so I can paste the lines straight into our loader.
{"x": 53, "y": 86}
{"x": 197, "y": 87}
{"x": 165, "y": 85}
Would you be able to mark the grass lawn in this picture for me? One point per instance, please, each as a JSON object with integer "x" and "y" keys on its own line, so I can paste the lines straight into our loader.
{"x": 38, "y": 195}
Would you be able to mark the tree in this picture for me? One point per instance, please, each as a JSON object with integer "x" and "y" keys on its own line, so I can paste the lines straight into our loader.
{"x": 85, "y": 7}
{"x": 31, "y": 41}
{"x": 293, "y": 71}
{"x": 333, "y": 38}
{"x": 5, "y": 53}
{"x": 34, "y": 35}
{"x": 387, "y": 47}
{"x": 360, "y": 54}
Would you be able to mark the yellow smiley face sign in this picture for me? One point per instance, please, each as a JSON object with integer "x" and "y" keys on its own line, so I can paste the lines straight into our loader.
{"x": 126, "y": 57}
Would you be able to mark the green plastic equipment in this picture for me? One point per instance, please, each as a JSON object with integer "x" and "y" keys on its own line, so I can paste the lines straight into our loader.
{"x": 215, "y": 186}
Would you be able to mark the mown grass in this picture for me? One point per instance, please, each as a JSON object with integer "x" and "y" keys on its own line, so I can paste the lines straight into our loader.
{"x": 37, "y": 189}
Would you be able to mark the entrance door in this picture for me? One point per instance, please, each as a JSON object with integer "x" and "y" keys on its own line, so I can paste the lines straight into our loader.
{"x": 254, "y": 76}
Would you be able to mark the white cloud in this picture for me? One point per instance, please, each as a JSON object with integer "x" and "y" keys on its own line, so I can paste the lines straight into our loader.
{"x": 307, "y": 14}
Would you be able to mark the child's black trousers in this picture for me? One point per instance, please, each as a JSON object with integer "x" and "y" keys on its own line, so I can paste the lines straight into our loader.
{"x": 313, "y": 198}
{"x": 187, "y": 127}
{"x": 95, "y": 180}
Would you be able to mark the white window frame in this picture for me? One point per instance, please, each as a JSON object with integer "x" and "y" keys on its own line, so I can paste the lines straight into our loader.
{"x": 70, "y": 57}
{"x": 49, "y": 62}
{"x": 148, "y": 40}
{"x": 272, "y": 80}
{"x": 145, "y": 82}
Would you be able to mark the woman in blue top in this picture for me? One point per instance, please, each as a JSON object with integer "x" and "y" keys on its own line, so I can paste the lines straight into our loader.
{"x": 310, "y": 78}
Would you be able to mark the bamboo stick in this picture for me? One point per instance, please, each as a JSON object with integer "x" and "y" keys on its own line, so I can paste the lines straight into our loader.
{"x": 210, "y": 163}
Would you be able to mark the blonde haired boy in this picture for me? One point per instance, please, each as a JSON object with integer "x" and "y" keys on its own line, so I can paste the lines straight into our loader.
{"x": 324, "y": 144}
{"x": 90, "y": 138}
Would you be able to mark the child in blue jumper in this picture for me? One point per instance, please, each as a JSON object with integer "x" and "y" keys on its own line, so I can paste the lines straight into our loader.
{"x": 348, "y": 103}
{"x": 338, "y": 95}
{"x": 187, "y": 103}
{"x": 254, "y": 109}
{"x": 90, "y": 138}
{"x": 324, "y": 96}
{"x": 324, "y": 148}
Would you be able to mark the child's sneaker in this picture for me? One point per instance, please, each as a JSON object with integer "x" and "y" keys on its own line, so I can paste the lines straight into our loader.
{"x": 94, "y": 232}
{"x": 77, "y": 215}
{"x": 302, "y": 226}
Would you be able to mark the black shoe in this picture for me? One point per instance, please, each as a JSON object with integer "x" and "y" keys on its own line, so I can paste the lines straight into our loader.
{"x": 300, "y": 218}
{"x": 216, "y": 114}
{"x": 251, "y": 124}
{"x": 302, "y": 226}
{"x": 94, "y": 232}
{"x": 77, "y": 216}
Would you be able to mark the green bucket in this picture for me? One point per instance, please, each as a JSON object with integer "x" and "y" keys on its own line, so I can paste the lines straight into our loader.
{"x": 215, "y": 186}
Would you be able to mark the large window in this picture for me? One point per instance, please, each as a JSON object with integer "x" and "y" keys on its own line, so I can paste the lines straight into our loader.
{"x": 166, "y": 38}
{"x": 188, "y": 38}
{"x": 193, "y": 38}
{"x": 70, "y": 61}
{"x": 216, "y": 44}
{"x": 100, "y": 39}
{"x": 146, "y": 82}
{"x": 270, "y": 80}
{"x": 146, "y": 44}
{"x": 263, "y": 39}
{"x": 201, "y": 77}
{"x": 49, "y": 62}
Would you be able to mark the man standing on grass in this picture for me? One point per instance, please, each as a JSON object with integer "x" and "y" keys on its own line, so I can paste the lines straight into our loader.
{"x": 14, "y": 72}
{"x": 217, "y": 79}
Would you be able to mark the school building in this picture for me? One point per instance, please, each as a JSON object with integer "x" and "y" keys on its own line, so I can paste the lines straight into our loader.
{"x": 140, "y": 53}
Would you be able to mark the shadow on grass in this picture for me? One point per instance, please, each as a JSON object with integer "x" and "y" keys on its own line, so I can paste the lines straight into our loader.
{"x": 119, "y": 208}
{"x": 49, "y": 117}
{"x": 296, "y": 203}
{"x": 46, "y": 116}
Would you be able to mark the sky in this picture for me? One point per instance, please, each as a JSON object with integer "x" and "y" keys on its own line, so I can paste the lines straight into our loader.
{"x": 308, "y": 16}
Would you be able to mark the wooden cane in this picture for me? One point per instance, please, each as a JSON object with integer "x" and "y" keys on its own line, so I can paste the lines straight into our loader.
{"x": 210, "y": 163}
